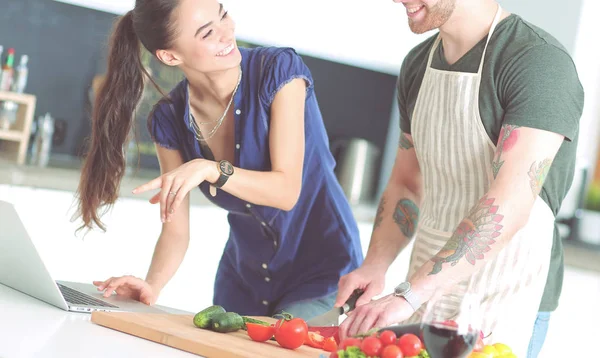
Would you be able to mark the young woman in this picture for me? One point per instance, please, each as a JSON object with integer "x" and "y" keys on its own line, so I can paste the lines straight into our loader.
{"x": 244, "y": 126}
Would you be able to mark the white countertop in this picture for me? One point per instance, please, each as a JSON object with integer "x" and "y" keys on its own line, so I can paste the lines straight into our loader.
{"x": 32, "y": 328}
{"x": 65, "y": 174}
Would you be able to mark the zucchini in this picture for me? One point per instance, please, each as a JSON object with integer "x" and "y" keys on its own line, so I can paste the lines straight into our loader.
{"x": 227, "y": 322}
{"x": 203, "y": 319}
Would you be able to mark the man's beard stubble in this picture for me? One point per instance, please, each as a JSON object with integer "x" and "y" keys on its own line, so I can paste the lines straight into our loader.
{"x": 435, "y": 17}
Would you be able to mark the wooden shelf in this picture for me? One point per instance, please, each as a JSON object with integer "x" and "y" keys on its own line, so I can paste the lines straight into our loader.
{"x": 15, "y": 140}
{"x": 21, "y": 98}
{"x": 11, "y": 135}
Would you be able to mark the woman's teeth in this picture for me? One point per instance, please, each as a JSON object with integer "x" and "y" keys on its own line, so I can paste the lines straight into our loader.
{"x": 226, "y": 51}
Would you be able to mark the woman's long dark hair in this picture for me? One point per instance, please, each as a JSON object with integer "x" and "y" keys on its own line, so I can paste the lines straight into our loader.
{"x": 151, "y": 23}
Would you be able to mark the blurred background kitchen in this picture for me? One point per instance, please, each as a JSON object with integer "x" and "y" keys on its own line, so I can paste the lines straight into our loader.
{"x": 53, "y": 55}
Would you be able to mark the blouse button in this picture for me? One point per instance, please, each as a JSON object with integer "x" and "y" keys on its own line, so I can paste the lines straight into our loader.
{"x": 266, "y": 303}
{"x": 237, "y": 146}
{"x": 267, "y": 279}
{"x": 264, "y": 266}
{"x": 238, "y": 111}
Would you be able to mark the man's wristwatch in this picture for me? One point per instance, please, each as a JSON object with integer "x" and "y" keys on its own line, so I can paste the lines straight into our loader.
{"x": 403, "y": 290}
{"x": 225, "y": 171}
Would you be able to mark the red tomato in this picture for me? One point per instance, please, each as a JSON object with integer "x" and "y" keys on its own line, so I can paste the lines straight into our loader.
{"x": 327, "y": 332}
{"x": 371, "y": 346}
{"x": 315, "y": 340}
{"x": 291, "y": 334}
{"x": 350, "y": 342}
{"x": 410, "y": 344}
{"x": 330, "y": 345}
{"x": 260, "y": 333}
{"x": 387, "y": 338}
{"x": 392, "y": 351}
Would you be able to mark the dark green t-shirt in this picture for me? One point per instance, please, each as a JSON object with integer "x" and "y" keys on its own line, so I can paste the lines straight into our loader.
{"x": 529, "y": 80}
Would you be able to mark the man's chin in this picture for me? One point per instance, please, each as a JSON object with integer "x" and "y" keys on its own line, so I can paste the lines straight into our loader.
{"x": 419, "y": 29}
{"x": 424, "y": 26}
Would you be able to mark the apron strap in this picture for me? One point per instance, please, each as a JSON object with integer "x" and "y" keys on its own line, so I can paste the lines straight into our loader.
{"x": 432, "y": 50}
{"x": 492, "y": 28}
{"x": 496, "y": 21}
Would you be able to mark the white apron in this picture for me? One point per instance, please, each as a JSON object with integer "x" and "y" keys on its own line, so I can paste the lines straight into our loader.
{"x": 455, "y": 156}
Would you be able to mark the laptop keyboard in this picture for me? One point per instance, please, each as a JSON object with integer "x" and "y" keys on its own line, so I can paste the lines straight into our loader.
{"x": 78, "y": 298}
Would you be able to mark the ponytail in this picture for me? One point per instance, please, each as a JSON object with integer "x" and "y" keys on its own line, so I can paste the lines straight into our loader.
{"x": 112, "y": 120}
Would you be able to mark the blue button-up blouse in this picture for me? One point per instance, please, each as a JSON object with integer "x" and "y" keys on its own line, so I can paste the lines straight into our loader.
{"x": 272, "y": 257}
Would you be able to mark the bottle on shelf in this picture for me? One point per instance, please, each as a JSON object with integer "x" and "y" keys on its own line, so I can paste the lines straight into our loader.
{"x": 42, "y": 144}
{"x": 21, "y": 74}
{"x": 7, "y": 71}
{"x": 9, "y": 109}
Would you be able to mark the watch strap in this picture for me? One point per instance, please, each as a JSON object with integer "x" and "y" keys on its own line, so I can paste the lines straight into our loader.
{"x": 412, "y": 299}
{"x": 222, "y": 175}
{"x": 221, "y": 181}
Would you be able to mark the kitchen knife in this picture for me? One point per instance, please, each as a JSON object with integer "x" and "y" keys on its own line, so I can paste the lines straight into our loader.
{"x": 332, "y": 317}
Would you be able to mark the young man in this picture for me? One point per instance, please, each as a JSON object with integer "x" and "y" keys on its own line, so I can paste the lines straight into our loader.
{"x": 490, "y": 110}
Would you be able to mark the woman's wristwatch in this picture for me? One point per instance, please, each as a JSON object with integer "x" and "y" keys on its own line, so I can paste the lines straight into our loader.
{"x": 225, "y": 171}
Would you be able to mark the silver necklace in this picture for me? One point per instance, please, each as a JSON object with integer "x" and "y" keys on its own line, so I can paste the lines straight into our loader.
{"x": 194, "y": 125}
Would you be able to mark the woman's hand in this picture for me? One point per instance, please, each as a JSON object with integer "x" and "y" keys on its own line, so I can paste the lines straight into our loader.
{"x": 130, "y": 287}
{"x": 176, "y": 184}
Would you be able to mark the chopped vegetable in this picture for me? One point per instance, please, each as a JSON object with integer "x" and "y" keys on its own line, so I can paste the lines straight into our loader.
{"x": 351, "y": 352}
{"x": 260, "y": 333}
{"x": 315, "y": 340}
{"x": 330, "y": 344}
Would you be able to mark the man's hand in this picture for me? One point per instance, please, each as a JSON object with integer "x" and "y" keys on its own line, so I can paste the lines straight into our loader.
{"x": 380, "y": 313}
{"x": 369, "y": 278}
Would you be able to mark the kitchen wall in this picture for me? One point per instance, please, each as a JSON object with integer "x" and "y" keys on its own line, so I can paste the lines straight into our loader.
{"x": 64, "y": 44}
{"x": 67, "y": 48}
{"x": 54, "y": 33}
{"x": 587, "y": 60}
{"x": 316, "y": 28}
{"x": 559, "y": 18}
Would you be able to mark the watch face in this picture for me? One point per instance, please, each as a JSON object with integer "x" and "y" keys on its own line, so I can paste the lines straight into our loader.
{"x": 402, "y": 288}
{"x": 226, "y": 167}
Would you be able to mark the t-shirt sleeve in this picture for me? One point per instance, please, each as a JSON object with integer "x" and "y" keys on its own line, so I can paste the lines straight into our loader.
{"x": 542, "y": 90}
{"x": 161, "y": 125}
{"x": 402, "y": 93}
{"x": 283, "y": 66}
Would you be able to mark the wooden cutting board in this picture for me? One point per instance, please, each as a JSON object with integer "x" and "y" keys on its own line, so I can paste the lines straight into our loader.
{"x": 178, "y": 331}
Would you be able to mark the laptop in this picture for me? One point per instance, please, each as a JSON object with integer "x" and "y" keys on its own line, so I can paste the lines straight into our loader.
{"x": 22, "y": 269}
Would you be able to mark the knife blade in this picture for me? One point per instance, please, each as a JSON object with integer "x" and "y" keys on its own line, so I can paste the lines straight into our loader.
{"x": 332, "y": 317}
